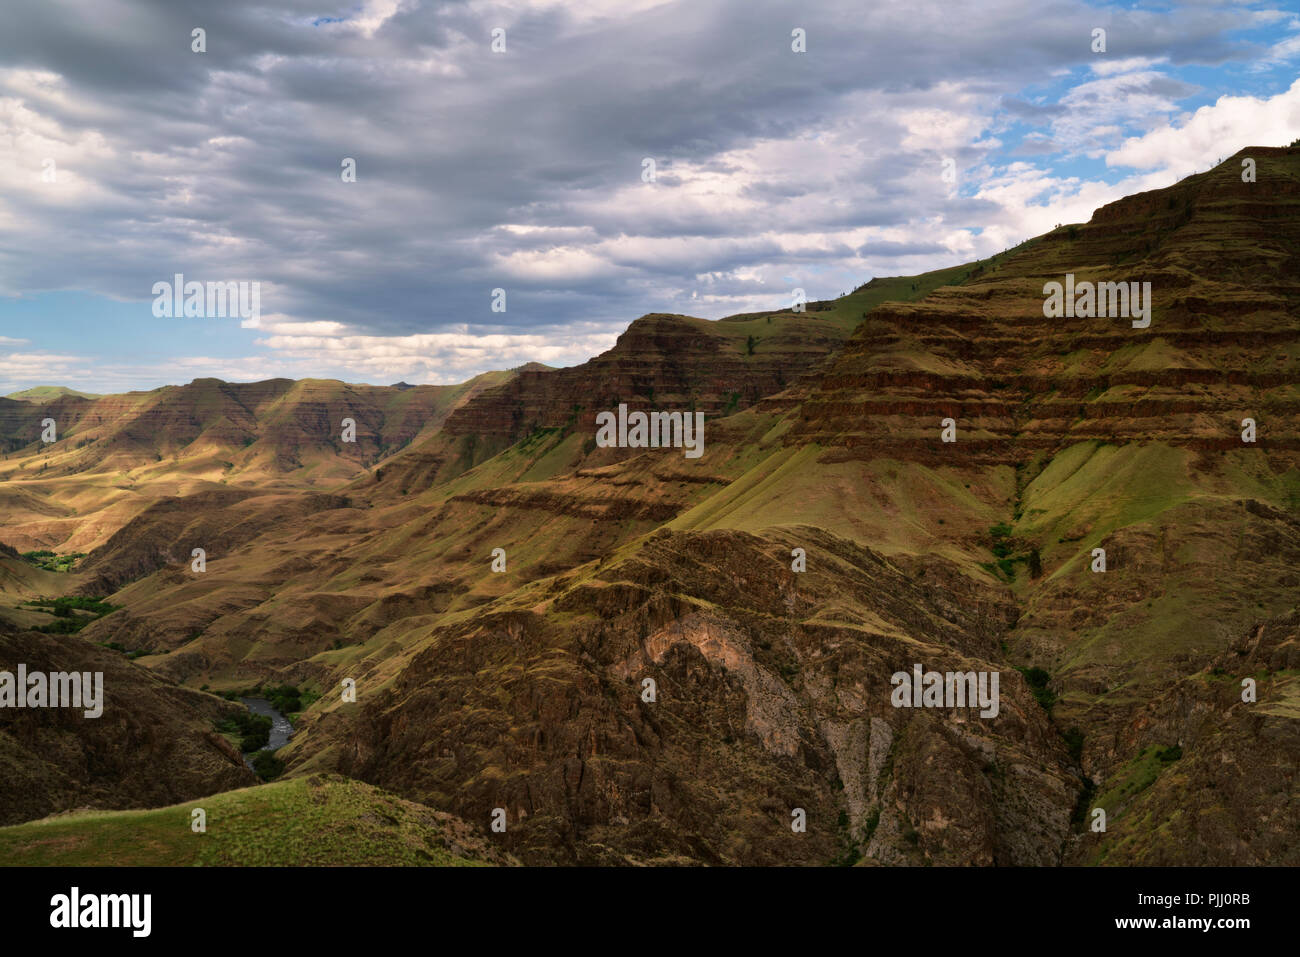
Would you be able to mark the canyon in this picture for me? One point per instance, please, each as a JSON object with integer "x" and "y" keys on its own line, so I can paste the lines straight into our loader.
{"x": 522, "y": 690}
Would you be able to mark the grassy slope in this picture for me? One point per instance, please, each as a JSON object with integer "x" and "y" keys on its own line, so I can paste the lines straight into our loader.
{"x": 844, "y": 312}
{"x": 320, "y": 821}
{"x": 43, "y": 393}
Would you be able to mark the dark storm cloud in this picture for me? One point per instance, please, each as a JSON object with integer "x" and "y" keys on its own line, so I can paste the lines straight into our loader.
{"x": 226, "y": 164}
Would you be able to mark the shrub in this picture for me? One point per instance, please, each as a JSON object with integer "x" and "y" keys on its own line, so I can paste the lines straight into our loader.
{"x": 254, "y": 730}
{"x": 1037, "y": 680}
{"x": 62, "y": 626}
{"x": 285, "y": 699}
{"x": 61, "y": 608}
{"x": 267, "y": 766}
{"x": 1074, "y": 741}
{"x": 52, "y": 562}
{"x": 869, "y": 828}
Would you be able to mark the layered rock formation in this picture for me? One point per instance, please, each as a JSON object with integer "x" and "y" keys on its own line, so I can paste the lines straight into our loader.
{"x": 1222, "y": 345}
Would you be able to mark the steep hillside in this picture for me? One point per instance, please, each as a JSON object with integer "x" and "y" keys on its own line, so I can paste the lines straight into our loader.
{"x": 1232, "y": 761}
{"x": 772, "y": 693}
{"x": 153, "y": 744}
{"x": 660, "y": 362}
{"x": 1223, "y": 343}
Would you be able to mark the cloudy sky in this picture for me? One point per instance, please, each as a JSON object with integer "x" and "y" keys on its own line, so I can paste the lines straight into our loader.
{"x": 127, "y": 157}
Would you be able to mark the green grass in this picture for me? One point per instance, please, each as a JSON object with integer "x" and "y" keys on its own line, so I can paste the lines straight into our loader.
{"x": 1124, "y": 785}
{"x": 65, "y": 609}
{"x": 45, "y": 393}
{"x": 1106, "y": 487}
{"x": 845, "y": 312}
{"x": 317, "y": 821}
{"x": 1134, "y": 777}
{"x": 52, "y": 561}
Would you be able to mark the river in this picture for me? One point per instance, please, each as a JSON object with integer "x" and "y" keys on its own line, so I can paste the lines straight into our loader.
{"x": 281, "y": 729}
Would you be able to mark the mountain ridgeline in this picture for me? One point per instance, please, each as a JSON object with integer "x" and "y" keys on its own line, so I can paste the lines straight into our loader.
{"x": 570, "y": 654}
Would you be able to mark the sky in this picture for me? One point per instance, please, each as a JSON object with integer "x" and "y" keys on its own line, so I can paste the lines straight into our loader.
{"x": 508, "y": 146}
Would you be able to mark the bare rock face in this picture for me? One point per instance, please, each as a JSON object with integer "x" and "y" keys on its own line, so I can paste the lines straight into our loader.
{"x": 153, "y": 745}
{"x": 1215, "y": 762}
{"x": 765, "y": 700}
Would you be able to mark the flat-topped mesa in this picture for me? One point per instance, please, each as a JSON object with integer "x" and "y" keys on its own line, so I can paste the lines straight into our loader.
{"x": 1222, "y": 344}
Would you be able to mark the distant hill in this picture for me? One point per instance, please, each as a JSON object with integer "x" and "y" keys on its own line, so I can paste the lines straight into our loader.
{"x": 43, "y": 393}
{"x": 135, "y": 447}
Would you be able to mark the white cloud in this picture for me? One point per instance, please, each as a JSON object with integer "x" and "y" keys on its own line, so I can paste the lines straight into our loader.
{"x": 1213, "y": 132}
{"x": 1098, "y": 111}
{"x": 1281, "y": 52}
{"x": 436, "y": 358}
{"x": 1106, "y": 67}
